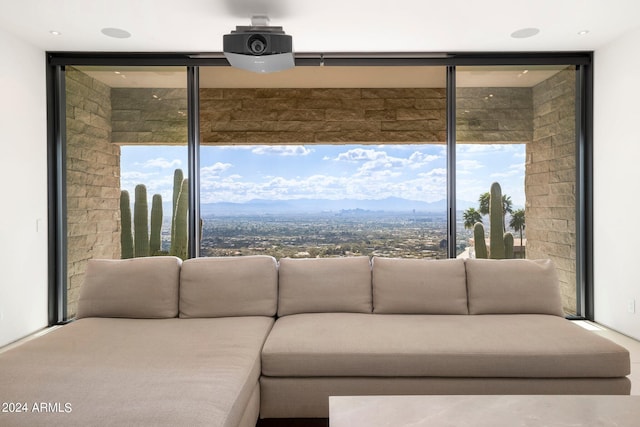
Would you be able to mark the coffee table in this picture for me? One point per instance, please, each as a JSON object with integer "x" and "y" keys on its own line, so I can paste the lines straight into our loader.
{"x": 484, "y": 411}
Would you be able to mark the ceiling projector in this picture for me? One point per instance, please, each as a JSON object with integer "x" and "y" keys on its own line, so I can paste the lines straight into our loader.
{"x": 259, "y": 48}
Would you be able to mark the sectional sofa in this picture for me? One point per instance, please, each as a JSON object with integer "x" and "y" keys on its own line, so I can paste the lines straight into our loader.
{"x": 224, "y": 341}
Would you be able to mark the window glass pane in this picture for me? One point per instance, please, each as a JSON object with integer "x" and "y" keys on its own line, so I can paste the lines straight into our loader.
{"x": 515, "y": 126}
{"x": 321, "y": 161}
{"x": 126, "y": 127}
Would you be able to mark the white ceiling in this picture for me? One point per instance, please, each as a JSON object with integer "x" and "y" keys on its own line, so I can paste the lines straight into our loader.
{"x": 322, "y": 26}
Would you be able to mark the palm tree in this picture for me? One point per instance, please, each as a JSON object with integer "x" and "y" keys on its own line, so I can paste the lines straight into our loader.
{"x": 471, "y": 216}
{"x": 483, "y": 202}
{"x": 507, "y": 206}
{"x": 517, "y": 222}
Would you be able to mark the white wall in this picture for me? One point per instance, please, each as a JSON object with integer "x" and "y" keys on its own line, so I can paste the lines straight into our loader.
{"x": 23, "y": 178}
{"x": 617, "y": 184}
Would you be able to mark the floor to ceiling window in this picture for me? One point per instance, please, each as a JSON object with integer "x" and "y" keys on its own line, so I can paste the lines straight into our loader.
{"x": 323, "y": 161}
{"x": 126, "y": 135}
{"x": 516, "y": 126}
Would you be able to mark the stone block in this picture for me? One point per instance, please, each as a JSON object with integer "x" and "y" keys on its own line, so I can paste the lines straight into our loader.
{"x": 431, "y": 125}
{"x": 223, "y": 137}
{"x": 337, "y": 93}
{"x": 365, "y": 126}
{"x": 239, "y": 126}
{"x": 299, "y": 126}
{"x": 566, "y": 175}
{"x": 343, "y": 115}
{"x": 317, "y": 103}
{"x": 126, "y": 115}
{"x": 279, "y": 137}
{"x": 286, "y": 93}
{"x": 270, "y": 103}
{"x": 414, "y": 114}
{"x": 170, "y": 137}
{"x": 301, "y": 115}
{"x": 431, "y": 104}
{"x": 361, "y": 104}
{"x": 255, "y": 115}
{"x": 210, "y": 93}
{"x": 380, "y": 115}
{"x": 397, "y": 103}
{"x": 561, "y": 200}
{"x": 211, "y": 105}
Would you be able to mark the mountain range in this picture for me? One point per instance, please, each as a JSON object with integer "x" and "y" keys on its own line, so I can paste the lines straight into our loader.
{"x": 390, "y": 204}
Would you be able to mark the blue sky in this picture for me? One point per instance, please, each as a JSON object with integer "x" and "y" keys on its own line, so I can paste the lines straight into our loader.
{"x": 243, "y": 173}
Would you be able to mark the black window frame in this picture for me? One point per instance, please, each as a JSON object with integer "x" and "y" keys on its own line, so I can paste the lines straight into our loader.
{"x": 56, "y": 105}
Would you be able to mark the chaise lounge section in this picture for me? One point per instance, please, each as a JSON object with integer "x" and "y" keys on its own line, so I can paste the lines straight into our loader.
{"x": 151, "y": 347}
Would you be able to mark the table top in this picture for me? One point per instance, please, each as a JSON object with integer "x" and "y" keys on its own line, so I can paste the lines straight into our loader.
{"x": 484, "y": 411}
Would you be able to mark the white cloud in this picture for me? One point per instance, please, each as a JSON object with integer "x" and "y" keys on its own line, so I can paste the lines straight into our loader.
{"x": 375, "y": 161}
{"x": 419, "y": 157}
{"x": 468, "y": 165}
{"x": 216, "y": 168}
{"x": 139, "y": 177}
{"x": 514, "y": 170}
{"x": 161, "y": 162}
{"x": 361, "y": 154}
{"x": 437, "y": 172}
{"x": 282, "y": 150}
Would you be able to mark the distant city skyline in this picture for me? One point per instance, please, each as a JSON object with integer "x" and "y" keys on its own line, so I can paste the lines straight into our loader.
{"x": 238, "y": 174}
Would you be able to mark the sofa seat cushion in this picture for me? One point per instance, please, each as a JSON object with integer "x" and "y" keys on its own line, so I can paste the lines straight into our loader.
{"x": 163, "y": 372}
{"x": 357, "y": 345}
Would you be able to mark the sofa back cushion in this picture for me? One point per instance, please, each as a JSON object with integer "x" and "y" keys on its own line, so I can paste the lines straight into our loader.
{"x": 317, "y": 285}
{"x": 513, "y": 286}
{"x": 144, "y": 288}
{"x": 419, "y": 286}
{"x": 229, "y": 286}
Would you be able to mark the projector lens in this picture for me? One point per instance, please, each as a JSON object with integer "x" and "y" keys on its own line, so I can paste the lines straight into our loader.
{"x": 257, "y": 44}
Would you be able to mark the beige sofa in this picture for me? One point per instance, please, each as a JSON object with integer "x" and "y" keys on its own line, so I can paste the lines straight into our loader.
{"x": 410, "y": 326}
{"x": 164, "y": 342}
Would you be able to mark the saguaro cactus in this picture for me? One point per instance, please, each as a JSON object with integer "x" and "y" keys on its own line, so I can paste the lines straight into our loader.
{"x": 126, "y": 237}
{"x": 478, "y": 239}
{"x": 178, "y": 177}
{"x": 496, "y": 233}
{"x": 501, "y": 243}
{"x": 141, "y": 221}
{"x": 508, "y": 245}
{"x": 155, "y": 242}
{"x": 179, "y": 240}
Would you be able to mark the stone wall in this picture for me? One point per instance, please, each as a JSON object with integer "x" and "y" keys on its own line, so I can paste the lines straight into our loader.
{"x": 494, "y": 115}
{"x": 550, "y": 180}
{"x": 149, "y": 116}
{"x": 304, "y": 116}
{"x": 93, "y": 180}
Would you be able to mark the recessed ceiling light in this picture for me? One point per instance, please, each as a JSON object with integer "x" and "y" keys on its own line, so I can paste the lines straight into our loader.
{"x": 524, "y": 33}
{"x": 55, "y": 33}
{"x": 583, "y": 32}
{"x": 116, "y": 33}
